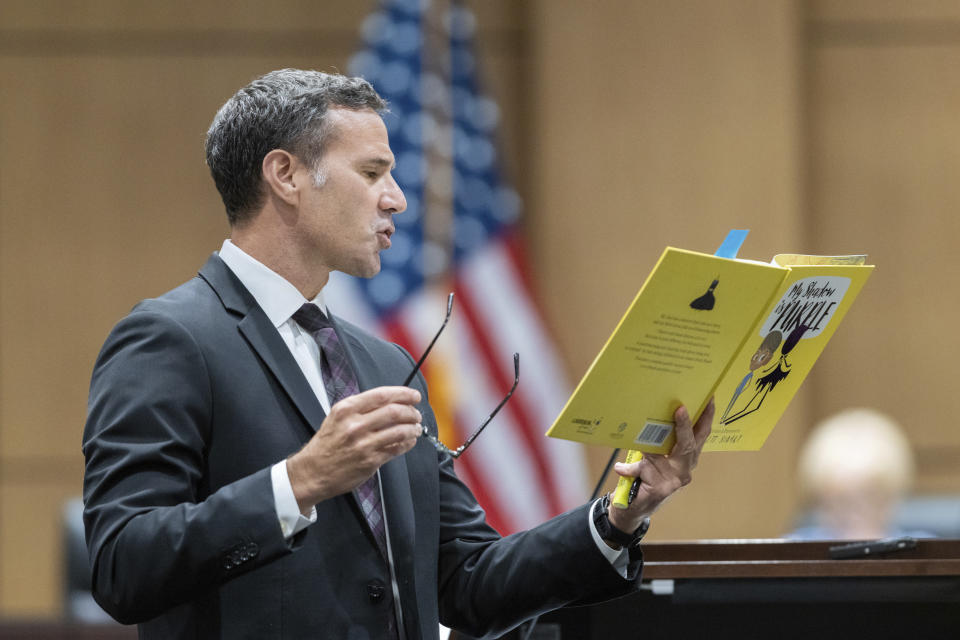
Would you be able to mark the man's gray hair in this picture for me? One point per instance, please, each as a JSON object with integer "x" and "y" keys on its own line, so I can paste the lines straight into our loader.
{"x": 283, "y": 109}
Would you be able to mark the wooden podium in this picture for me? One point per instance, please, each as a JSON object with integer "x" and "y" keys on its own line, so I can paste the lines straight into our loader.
{"x": 747, "y": 589}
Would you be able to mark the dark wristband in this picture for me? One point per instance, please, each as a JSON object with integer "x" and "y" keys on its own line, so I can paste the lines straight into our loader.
{"x": 610, "y": 533}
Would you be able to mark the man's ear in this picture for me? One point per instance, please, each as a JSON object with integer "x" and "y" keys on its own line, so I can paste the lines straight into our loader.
{"x": 279, "y": 173}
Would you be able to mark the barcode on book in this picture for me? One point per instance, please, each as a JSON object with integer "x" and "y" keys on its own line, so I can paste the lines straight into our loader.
{"x": 653, "y": 433}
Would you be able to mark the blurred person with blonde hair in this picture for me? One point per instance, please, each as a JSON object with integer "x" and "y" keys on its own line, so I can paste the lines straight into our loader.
{"x": 854, "y": 470}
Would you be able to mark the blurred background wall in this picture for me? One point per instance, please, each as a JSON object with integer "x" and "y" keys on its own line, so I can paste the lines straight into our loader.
{"x": 828, "y": 126}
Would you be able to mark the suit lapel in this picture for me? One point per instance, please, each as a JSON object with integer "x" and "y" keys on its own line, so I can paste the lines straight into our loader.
{"x": 263, "y": 339}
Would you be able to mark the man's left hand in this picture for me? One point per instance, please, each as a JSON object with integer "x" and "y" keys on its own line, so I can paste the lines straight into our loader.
{"x": 662, "y": 474}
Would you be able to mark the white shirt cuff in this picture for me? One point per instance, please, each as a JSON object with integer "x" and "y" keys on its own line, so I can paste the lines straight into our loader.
{"x": 618, "y": 558}
{"x": 291, "y": 520}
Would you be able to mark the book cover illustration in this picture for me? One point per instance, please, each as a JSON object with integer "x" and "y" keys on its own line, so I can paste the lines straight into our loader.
{"x": 782, "y": 348}
{"x": 744, "y": 332}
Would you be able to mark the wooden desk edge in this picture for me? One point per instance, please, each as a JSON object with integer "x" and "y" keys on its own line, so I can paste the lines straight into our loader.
{"x": 784, "y": 558}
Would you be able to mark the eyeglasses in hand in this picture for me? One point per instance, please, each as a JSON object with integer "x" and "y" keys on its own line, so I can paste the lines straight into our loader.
{"x": 456, "y": 453}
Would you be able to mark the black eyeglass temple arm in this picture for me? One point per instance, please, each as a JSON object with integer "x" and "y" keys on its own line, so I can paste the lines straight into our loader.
{"x": 406, "y": 383}
{"x": 473, "y": 436}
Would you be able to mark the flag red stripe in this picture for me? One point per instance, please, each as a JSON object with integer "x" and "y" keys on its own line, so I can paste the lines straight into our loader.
{"x": 394, "y": 331}
{"x": 518, "y": 259}
{"x": 517, "y": 256}
{"x": 516, "y": 406}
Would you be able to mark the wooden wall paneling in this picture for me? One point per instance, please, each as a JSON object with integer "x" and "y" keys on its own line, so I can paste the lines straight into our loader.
{"x": 105, "y": 200}
{"x": 339, "y": 18}
{"x": 883, "y": 11}
{"x": 656, "y": 124}
{"x": 31, "y": 548}
{"x": 885, "y": 156}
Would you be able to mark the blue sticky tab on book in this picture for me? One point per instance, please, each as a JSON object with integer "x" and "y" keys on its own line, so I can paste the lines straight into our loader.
{"x": 731, "y": 245}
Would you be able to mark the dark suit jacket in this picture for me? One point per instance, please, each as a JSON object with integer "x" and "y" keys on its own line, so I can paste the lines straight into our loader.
{"x": 194, "y": 396}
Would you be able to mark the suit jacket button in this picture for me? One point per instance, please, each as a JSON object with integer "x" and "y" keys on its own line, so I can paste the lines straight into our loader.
{"x": 228, "y": 564}
{"x": 376, "y": 591}
{"x": 253, "y": 549}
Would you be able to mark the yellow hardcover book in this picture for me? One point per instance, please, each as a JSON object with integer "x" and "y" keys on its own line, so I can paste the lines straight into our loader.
{"x": 702, "y": 326}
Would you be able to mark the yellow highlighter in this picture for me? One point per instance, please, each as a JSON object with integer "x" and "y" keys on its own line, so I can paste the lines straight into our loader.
{"x": 627, "y": 487}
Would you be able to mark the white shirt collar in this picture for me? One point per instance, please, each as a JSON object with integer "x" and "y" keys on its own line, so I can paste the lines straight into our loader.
{"x": 276, "y": 296}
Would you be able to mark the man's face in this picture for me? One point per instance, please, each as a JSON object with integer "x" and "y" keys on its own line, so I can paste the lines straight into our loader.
{"x": 760, "y": 358}
{"x": 347, "y": 221}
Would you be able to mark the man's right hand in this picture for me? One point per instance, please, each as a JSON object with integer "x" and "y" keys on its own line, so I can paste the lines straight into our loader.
{"x": 361, "y": 433}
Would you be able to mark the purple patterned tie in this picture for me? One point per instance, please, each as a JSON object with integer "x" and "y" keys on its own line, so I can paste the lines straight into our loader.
{"x": 341, "y": 382}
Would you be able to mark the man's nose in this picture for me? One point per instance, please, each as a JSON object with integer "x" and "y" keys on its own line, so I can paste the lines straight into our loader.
{"x": 393, "y": 200}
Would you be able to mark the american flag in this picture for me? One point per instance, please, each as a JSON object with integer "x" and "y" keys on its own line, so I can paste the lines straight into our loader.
{"x": 459, "y": 234}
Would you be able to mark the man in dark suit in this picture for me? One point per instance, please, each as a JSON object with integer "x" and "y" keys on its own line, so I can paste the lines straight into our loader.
{"x": 253, "y": 471}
